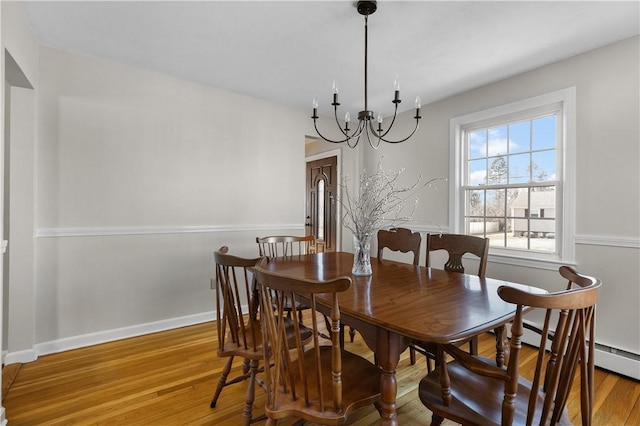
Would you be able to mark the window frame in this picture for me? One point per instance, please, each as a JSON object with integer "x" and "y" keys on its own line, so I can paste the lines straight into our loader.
{"x": 561, "y": 100}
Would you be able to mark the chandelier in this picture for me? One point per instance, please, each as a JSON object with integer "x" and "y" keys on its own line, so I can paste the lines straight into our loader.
{"x": 365, "y": 127}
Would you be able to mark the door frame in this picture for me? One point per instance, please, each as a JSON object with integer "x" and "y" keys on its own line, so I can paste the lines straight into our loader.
{"x": 332, "y": 153}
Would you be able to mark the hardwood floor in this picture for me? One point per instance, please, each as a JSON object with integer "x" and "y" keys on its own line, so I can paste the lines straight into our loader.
{"x": 168, "y": 378}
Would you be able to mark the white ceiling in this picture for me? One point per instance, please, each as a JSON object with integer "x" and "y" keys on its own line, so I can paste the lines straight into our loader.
{"x": 291, "y": 51}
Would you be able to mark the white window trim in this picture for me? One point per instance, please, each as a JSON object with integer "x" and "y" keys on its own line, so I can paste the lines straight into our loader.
{"x": 566, "y": 197}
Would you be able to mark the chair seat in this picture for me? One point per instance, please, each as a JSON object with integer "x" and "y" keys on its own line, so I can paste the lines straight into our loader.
{"x": 475, "y": 399}
{"x": 244, "y": 347}
{"x": 360, "y": 377}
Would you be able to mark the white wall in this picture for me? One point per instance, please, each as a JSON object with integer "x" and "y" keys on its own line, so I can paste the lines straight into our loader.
{"x": 140, "y": 177}
{"x": 607, "y": 82}
{"x": 19, "y": 206}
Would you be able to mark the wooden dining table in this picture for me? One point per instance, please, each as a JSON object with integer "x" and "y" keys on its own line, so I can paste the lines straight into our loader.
{"x": 400, "y": 302}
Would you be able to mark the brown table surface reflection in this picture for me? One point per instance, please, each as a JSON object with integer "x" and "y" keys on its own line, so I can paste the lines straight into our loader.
{"x": 400, "y": 302}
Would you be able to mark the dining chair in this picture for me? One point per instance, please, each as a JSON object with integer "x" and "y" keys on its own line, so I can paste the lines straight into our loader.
{"x": 321, "y": 383}
{"x": 238, "y": 324}
{"x": 403, "y": 240}
{"x": 286, "y": 245}
{"x": 456, "y": 246}
{"x": 473, "y": 390}
{"x": 399, "y": 239}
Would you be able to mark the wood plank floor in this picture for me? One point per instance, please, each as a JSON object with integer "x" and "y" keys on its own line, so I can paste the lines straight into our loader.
{"x": 168, "y": 378}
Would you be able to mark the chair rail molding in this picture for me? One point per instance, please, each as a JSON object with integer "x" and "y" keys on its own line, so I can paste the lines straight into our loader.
{"x": 155, "y": 230}
{"x": 609, "y": 241}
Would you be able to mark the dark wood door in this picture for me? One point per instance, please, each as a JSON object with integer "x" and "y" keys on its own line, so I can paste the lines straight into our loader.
{"x": 321, "y": 201}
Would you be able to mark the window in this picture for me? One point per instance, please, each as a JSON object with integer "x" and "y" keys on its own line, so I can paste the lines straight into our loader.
{"x": 512, "y": 178}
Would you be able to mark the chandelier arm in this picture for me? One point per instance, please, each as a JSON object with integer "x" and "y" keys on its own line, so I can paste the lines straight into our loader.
{"x": 356, "y": 132}
{"x": 356, "y": 143}
{"x": 335, "y": 114}
{"x": 369, "y": 137}
{"x": 315, "y": 124}
{"x": 393, "y": 120}
{"x": 356, "y": 135}
{"x": 411, "y": 134}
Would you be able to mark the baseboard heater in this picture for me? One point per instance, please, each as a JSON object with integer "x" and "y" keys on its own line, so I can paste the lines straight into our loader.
{"x": 616, "y": 360}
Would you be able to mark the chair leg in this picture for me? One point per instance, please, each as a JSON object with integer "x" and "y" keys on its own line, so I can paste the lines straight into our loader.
{"x": 271, "y": 422}
{"x": 427, "y": 358}
{"x": 412, "y": 356}
{"x": 436, "y": 420}
{"x": 251, "y": 394}
{"x": 473, "y": 346}
{"x": 222, "y": 381}
{"x": 246, "y": 365}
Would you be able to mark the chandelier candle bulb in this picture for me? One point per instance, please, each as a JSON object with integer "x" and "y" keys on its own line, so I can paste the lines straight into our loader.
{"x": 396, "y": 87}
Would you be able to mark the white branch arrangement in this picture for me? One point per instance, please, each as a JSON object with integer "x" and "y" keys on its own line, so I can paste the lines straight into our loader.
{"x": 380, "y": 202}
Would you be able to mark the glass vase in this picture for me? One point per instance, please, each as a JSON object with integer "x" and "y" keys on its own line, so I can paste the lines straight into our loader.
{"x": 361, "y": 255}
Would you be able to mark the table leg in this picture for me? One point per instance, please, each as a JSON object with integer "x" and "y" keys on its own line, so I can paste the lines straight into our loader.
{"x": 389, "y": 346}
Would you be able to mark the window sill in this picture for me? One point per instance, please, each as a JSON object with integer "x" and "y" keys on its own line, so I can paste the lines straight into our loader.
{"x": 530, "y": 261}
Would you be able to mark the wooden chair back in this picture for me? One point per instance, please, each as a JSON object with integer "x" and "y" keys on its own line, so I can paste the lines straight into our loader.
{"x": 285, "y": 245}
{"x": 400, "y": 239}
{"x": 457, "y": 245}
{"x": 319, "y": 382}
{"x": 507, "y": 397}
{"x": 237, "y": 301}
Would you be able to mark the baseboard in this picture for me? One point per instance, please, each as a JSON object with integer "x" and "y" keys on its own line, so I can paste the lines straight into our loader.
{"x": 90, "y": 339}
{"x": 21, "y": 357}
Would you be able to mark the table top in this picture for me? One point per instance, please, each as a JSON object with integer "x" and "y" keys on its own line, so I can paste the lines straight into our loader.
{"x": 417, "y": 302}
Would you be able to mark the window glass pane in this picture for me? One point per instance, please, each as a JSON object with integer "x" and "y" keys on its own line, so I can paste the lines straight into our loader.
{"x": 495, "y": 203}
{"x": 477, "y": 172}
{"x": 476, "y": 227}
{"x": 519, "y": 135}
{"x": 498, "y": 171}
{"x": 475, "y": 203}
{"x": 518, "y": 241}
{"x": 497, "y": 238}
{"x": 320, "y": 218}
{"x": 544, "y": 133}
{"x": 543, "y": 166}
{"x": 543, "y": 201}
{"x": 542, "y": 235}
{"x": 519, "y": 166}
{"x": 497, "y": 141}
{"x": 477, "y": 143}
